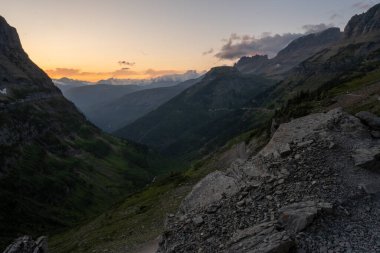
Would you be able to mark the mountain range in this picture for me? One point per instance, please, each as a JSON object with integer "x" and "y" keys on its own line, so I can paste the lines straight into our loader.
{"x": 113, "y": 106}
{"x": 278, "y": 161}
{"x": 225, "y": 102}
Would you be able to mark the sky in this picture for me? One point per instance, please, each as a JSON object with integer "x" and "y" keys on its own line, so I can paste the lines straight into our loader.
{"x": 99, "y": 39}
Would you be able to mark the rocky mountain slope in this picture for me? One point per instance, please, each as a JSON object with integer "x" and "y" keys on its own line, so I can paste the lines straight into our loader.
{"x": 366, "y": 24}
{"x": 313, "y": 188}
{"x": 354, "y": 56}
{"x": 55, "y": 167}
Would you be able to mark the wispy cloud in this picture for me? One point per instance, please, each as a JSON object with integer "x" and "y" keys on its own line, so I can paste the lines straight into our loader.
{"x": 363, "y": 5}
{"x": 316, "y": 28}
{"x": 335, "y": 16}
{"x": 210, "y": 51}
{"x": 237, "y": 46}
{"x": 156, "y": 73}
{"x": 126, "y": 63}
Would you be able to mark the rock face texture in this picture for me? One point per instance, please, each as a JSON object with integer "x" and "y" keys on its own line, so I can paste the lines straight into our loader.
{"x": 364, "y": 24}
{"x": 26, "y": 244}
{"x": 304, "y": 192}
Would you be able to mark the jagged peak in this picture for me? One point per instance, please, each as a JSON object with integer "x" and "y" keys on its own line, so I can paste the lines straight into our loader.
{"x": 364, "y": 24}
{"x": 332, "y": 34}
{"x": 252, "y": 59}
{"x": 221, "y": 71}
{"x": 9, "y": 38}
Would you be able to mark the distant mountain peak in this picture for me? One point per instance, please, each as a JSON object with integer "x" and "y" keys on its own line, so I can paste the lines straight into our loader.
{"x": 364, "y": 24}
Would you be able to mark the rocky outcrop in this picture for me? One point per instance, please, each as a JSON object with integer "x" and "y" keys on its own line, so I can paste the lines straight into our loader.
{"x": 252, "y": 64}
{"x": 304, "y": 192}
{"x": 26, "y": 244}
{"x": 364, "y": 24}
{"x": 370, "y": 119}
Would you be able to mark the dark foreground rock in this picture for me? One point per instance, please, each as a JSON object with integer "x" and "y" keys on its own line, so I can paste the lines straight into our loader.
{"x": 26, "y": 244}
{"x": 313, "y": 188}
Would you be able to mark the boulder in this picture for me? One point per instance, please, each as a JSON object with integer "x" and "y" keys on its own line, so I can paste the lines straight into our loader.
{"x": 371, "y": 188}
{"x": 298, "y": 131}
{"x": 369, "y": 119}
{"x": 296, "y": 217}
{"x": 263, "y": 238}
{"x": 209, "y": 190}
{"x": 367, "y": 158}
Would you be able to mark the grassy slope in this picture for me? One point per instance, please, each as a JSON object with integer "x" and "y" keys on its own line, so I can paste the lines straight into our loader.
{"x": 135, "y": 221}
{"x": 69, "y": 171}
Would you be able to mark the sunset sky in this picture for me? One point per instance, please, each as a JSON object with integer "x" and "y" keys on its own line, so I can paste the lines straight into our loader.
{"x": 99, "y": 39}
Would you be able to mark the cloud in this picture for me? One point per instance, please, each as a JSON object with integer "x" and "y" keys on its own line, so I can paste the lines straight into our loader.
{"x": 363, "y": 5}
{"x": 335, "y": 16}
{"x": 316, "y": 28}
{"x": 126, "y": 63}
{"x": 155, "y": 73}
{"x": 210, "y": 51}
{"x": 238, "y": 46}
{"x": 63, "y": 71}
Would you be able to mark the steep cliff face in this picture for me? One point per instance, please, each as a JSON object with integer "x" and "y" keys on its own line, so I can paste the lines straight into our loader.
{"x": 308, "y": 189}
{"x": 55, "y": 167}
{"x": 8, "y": 37}
{"x": 18, "y": 73}
{"x": 365, "y": 24}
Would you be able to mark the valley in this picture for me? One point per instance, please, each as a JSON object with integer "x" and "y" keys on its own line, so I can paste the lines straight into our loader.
{"x": 272, "y": 154}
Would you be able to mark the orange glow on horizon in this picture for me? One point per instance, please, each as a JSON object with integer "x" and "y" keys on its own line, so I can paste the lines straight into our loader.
{"x": 89, "y": 76}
